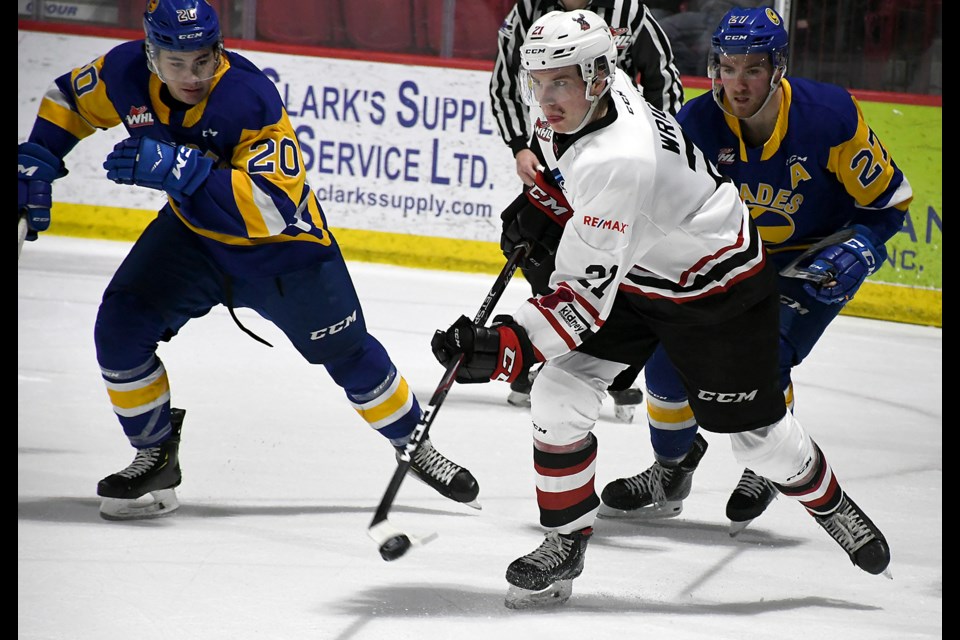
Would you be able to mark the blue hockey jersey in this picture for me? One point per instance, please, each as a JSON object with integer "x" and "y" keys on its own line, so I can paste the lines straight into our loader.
{"x": 822, "y": 169}
{"x": 256, "y": 214}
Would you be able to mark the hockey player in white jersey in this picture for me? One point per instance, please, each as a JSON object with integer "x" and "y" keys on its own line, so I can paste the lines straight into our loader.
{"x": 655, "y": 247}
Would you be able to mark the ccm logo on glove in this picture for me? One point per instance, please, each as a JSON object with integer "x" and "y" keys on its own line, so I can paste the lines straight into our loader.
{"x": 499, "y": 352}
{"x": 183, "y": 154}
{"x": 550, "y": 200}
{"x": 37, "y": 168}
{"x": 511, "y": 362}
{"x": 176, "y": 169}
{"x": 847, "y": 264}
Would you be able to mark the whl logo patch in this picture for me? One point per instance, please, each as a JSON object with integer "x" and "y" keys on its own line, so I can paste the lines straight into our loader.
{"x": 139, "y": 117}
{"x": 726, "y": 157}
{"x": 542, "y": 130}
{"x": 621, "y": 38}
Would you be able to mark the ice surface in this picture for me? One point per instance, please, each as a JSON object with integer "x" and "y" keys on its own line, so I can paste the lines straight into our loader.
{"x": 281, "y": 478}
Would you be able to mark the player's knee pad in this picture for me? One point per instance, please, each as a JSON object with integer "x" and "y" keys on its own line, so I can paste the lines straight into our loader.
{"x": 567, "y": 396}
{"x": 127, "y": 331}
{"x": 780, "y": 452}
{"x": 662, "y": 379}
{"x": 362, "y": 368}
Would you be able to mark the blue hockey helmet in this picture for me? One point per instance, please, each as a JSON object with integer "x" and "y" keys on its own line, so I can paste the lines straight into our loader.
{"x": 182, "y": 25}
{"x": 746, "y": 31}
{"x": 754, "y": 30}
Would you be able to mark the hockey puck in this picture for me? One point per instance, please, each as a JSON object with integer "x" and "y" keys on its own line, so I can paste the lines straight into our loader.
{"x": 395, "y": 547}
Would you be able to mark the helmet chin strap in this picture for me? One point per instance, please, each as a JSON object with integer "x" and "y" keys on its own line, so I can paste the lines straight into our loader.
{"x": 718, "y": 94}
{"x": 595, "y": 102}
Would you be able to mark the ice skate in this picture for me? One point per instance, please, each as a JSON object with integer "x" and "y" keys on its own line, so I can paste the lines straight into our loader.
{"x": 146, "y": 488}
{"x": 448, "y": 478}
{"x": 545, "y": 576}
{"x": 625, "y": 403}
{"x": 859, "y": 537}
{"x": 751, "y": 498}
{"x": 520, "y": 389}
{"x": 657, "y": 492}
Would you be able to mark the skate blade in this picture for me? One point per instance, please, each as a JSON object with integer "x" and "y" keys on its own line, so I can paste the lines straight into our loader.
{"x": 557, "y": 593}
{"x": 737, "y": 527}
{"x": 152, "y": 505}
{"x": 473, "y": 504}
{"x": 669, "y": 509}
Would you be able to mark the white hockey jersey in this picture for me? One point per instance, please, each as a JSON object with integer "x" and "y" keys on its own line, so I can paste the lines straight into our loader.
{"x": 651, "y": 217}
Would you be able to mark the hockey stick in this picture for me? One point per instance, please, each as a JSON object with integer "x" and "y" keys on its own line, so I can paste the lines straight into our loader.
{"x": 22, "y": 229}
{"x": 392, "y": 541}
{"x": 792, "y": 270}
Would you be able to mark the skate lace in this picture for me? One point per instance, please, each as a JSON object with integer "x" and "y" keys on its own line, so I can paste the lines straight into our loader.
{"x": 142, "y": 462}
{"x": 652, "y": 482}
{"x": 847, "y": 528}
{"x": 752, "y": 485}
{"x": 433, "y": 463}
{"x": 551, "y": 553}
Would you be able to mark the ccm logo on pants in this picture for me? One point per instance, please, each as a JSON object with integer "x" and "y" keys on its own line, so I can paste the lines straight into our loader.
{"x": 740, "y": 396}
{"x": 334, "y": 328}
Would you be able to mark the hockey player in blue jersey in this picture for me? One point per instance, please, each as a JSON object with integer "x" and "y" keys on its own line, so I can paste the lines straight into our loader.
{"x": 808, "y": 166}
{"x": 241, "y": 227}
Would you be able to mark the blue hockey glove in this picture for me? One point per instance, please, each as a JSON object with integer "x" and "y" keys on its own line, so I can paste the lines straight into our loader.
{"x": 847, "y": 264}
{"x": 146, "y": 162}
{"x": 37, "y": 168}
{"x": 499, "y": 352}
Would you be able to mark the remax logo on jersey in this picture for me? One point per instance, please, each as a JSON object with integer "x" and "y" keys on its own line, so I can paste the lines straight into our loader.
{"x": 138, "y": 117}
{"x": 541, "y": 128}
{"x": 604, "y": 223}
{"x": 726, "y": 156}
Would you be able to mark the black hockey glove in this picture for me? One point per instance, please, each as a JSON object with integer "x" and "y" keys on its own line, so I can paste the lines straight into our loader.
{"x": 501, "y": 351}
{"x": 537, "y": 216}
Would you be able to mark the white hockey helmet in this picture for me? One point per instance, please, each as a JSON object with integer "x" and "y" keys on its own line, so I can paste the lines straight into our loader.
{"x": 565, "y": 38}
